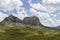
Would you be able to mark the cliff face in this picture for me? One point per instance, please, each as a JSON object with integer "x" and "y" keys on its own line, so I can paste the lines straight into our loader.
{"x": 31, "y": 20}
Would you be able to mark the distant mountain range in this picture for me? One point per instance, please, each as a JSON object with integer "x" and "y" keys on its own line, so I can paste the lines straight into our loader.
{"x": 9, "y": 21}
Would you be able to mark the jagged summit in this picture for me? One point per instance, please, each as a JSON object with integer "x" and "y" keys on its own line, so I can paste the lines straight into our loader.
{"x": 12, "y": 18}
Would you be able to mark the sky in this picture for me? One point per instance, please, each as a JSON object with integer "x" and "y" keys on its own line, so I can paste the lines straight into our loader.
{"x": 48, "y": 11}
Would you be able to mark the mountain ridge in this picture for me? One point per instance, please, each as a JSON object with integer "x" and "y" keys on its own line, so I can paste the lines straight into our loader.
{"x": 11, "y": 20}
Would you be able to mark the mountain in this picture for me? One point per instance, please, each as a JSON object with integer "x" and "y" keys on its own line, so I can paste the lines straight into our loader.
{"x": 11, "y": 21}
{"x": 10, "y": 31}
{"x": 27, "y": 20}
{"x": 12, "y": 18}
{"x": 31, "y": 20}
{"x": 35, "y": 21}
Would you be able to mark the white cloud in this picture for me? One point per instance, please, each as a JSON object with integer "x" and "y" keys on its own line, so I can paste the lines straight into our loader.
{"x": 2, "y": 16}
{"x": 54, "y": 4}
{"x": 47, "y": 18}
{"x": 45, "y": 6}
{"x": 39, "y": 6}
{"x": 32, "y": 10}
{"x": 10, "y": 4}
{"x": 21, "y": 13}
{"x": 51, "y": 1}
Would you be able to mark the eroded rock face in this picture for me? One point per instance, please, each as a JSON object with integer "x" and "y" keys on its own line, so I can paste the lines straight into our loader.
{"x": 31, "y": 20}
{"x": 27, "y": 20}
{"x": 12, "y": 18}
{"x": 11, "y": 21}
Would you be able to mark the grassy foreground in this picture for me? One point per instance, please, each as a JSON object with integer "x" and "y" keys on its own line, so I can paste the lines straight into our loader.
{"x": 28, "y": 32}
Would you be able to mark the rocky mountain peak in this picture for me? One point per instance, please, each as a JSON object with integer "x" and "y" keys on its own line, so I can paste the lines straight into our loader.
{"x": 12, "y": 18}
{"x": 31, "y": 20}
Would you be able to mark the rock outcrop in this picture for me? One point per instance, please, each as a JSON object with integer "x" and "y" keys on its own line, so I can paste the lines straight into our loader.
{"x": 12, "y": 18}
{"x": 31, "y": 20}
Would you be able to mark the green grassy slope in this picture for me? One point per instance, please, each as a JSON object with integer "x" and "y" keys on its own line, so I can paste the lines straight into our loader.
{"x": 28, "y": 32}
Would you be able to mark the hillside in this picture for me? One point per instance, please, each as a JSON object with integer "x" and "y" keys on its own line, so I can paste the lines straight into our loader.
{"x": 30, "y": 28}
